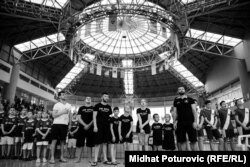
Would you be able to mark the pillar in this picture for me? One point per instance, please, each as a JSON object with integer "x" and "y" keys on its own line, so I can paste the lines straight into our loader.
{"x": 244, "y": 76}
{"x": 11, "y": 88}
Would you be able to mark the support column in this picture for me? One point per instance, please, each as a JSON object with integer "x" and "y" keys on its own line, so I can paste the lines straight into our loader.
{"x": 244, "y": 79}
{"x": 11, "y": 88}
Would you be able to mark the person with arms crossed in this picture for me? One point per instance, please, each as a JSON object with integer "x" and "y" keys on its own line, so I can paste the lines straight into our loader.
{"x": 61, "y": 114}
{"x": 185, "y": 120}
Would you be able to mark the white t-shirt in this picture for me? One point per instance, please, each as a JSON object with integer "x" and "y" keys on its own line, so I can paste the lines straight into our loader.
{"x": 62, "y": 119}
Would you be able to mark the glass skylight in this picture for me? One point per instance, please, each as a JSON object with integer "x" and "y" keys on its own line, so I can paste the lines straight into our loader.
{"x": 36, "y": 43}
{"x": 182, "y": 70}
{"x": 128, "y": 77}
{"x": 71, "y": 75}
{"x": 212, "y": 37}
{"x": 187, "y": 1}
{"x": 133, "y": 35}
{"x": 51, "y": 3}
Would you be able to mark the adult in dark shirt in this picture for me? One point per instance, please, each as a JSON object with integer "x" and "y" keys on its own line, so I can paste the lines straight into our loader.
{"x": 185, "y": 120}
{"x": 142, "y": 127}
{"x": 242, "y": 118}
{"x": 228, "y": 125}
{"x": 101, "y": 115}
{"x": 85, "y": 131}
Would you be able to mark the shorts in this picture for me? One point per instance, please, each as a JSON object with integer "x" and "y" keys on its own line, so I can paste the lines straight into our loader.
{"x": 157, "y": 141}
{"x": 143, "y": 138}
{"x": 146, "y": 128}
{"x": 117, "y": 140}
{"x": 18, "y": 132}
{"x": 42, "y": 143}
{"x": 72, "y": 143}
{"x": 168, "y": 144}
{"x": 85, "y": 135}
{"x": 212, "y": 133}
{"x": 183, "y": 129}
{"x": 19, "y": 139}
{"x": 127, "y": 140}
{"x": 103, "y": 134}
{"x": 7, "y": 140}
{"x": 228, "y": 134}
{"x": 200, "y": 133}
{"x": 59, "y": 132}
{"x": 27, "y": 146}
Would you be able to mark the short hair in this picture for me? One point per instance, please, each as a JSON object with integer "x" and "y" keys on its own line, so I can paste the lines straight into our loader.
{"x": 155, "y": 115}
{"x": 116, "y": 108}
{"x": 105, "y": 93}
{"x": 222, "y": 102}
{"x": 236, "y": 101}
{"x": 207, "y": 102}
{"x": 59, "y": 93}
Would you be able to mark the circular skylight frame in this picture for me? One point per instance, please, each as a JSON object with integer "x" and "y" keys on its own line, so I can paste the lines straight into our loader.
{"x": 108, "y": 60}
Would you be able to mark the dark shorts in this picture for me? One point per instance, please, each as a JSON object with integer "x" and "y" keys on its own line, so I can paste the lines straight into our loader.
{"x": 40, "y": 137}
{"x": 85, "y": 135}
{"x": 229, "y": 134}
{"x": 59, "y": 132}
{"x": 28, "y": 137}
{"x": 117, "y": 140}
{"x": 18, "y": 132}
{"x": 103, "y": 134}
{"x": 200, "y": 133}
{"x": 183, "y": 129}
{"x": 127, "y": 140}
{"x": 157, "y": 141}
{"x": 212, "y": 133}
{"x": 146, "y": 128}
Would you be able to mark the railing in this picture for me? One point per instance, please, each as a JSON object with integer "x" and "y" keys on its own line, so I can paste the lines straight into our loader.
{"x": 244, "y": 146}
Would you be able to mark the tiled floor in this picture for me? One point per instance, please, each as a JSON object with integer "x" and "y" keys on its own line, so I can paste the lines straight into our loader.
{"x": 70, "y": 163}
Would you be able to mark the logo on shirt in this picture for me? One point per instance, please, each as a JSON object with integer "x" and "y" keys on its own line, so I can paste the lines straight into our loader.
{"x": 104, "y": 109}
{"x": 186, "y": 101}
{"x": 125, "y": 120}
{"x": 157, "y": 127}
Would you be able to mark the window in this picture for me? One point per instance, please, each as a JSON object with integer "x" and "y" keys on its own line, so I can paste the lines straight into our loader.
{"x": 50, "y": 3}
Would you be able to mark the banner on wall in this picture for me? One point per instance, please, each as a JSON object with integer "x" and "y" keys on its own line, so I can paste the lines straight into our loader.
{"x": 164, "y": 31}
{"x": 99, "y": 69}
{"x": 99, "y": 25}
{"x": 113, "y": 22}
{"x": 153, "y": 26}
{"x": 122, "y": 73}
{"x": 153, "y": 68}
{"x": 114, "y": 72}
{"x": 87, "y": 29}
{"x": 106, "y": 73}
{"x": 92, "y": 69}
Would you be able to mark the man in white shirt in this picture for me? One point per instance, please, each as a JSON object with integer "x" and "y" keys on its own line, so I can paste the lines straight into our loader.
{"x": 61, "y": 114}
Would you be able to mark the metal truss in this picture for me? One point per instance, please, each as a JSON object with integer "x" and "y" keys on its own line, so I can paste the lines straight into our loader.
{"x": 207, "y": 47}
{"x": 24, "y": 9}
{"x": 182, "y": 79}
{"x": 42, "y": 52}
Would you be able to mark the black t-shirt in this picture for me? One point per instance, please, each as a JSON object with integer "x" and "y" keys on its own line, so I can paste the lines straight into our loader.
{"x": 207, "y": 114}
{"x": 9, "y": 122}
{"x": 103, "y": 113}
{"x": 143, "y": 113}
{"x": 20, "y": 123}
{"x": 44, "y": 125}
{"x": 74, "y": 125}
{"x": 29, "y": 126}
{"x": 223, "y": 116}
{"x": 241, "y": 115}
{"x": 125, "y": 123}
{"x": 86, "y": 113}
{"x": 1, "y": 117}
{"x": 115, "y": 122}
{"x": 157, "y": 130}
{"x": 184, "y": 109}
{"x": 168, "y": 131}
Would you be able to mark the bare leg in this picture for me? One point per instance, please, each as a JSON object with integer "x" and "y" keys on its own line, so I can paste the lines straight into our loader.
{"x": 104, "y": 150}
{"x": 62, "y": 150}
{"x": 183, "y": 146}
{"x": 194, "y": 146}
{"x": 52, "y": 151}
{"x": 80, "y": 155}
{"x": 90, "y": 150}
{"x": 112, "y": 153}
{"x": 201, "y": 143}
{"x": 221, "y": 145}
{"x": 38, "y": 150}
{"x": 44, "y": 152}
{"x": 97, "y": 148}
{"x": 3, "y": 150}
{"x": 9, "y": 149}
{"x": 232, "y": 144}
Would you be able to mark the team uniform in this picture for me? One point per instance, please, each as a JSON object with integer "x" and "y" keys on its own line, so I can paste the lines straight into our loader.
{"x": 211, "y": 115}
{"x": 226, "y": 116}
{"x": 29, "y": 129}
{"x": 83, "y": 135}
{"x": 144, "y": 117}
{"x": 115, "y": 122}
{"x": 59, "y": 128}
{"x": 157, "y": 133}
{"x": 102, "y": 121}
{"x": 125, "y": 128}
{"x": 8, "y": 123}
{"x": 18, "y": 132}
{"x": 185, "y": 119}
{"x": 168, "y": 137}
{"x": 244, "y": 118}
{"x": 73, "y": 138}
{"x": 43, "y": 125}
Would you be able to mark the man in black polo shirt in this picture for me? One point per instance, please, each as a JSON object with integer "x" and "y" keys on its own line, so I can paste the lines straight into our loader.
{"x": 101, "y": 116}
{"x": 185, "y": 119}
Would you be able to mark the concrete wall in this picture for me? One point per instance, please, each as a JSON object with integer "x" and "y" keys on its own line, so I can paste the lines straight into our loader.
{"x": 223, "y": 72}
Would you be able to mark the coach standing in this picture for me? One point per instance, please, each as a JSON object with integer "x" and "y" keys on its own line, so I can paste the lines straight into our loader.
{"x": 101, "y": 116}
{"x": 185, "y": 120}
{"x": 61, "y": 114}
